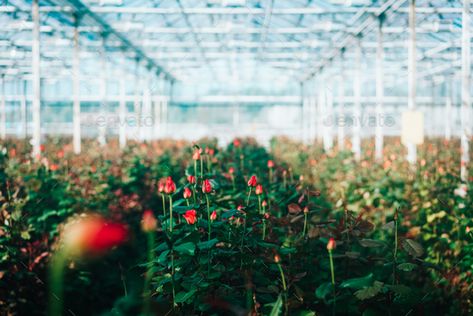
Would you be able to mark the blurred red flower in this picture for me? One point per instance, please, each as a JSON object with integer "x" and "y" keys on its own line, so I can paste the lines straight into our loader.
{"x": 206, "y": 186}
{"x": 190, "y": 216}
{"x": 170, "y": 186}
{"x": 252, "y": 182}
{"x": 187, "y": 193}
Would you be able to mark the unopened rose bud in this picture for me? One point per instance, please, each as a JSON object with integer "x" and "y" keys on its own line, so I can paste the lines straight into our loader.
{"x": 191, "y": 179}
{"x": 196, "y": 155}
{"x": 252, "y": 182}
{"x": 206, "y": 187}
{"x": 277, "y": 258}
{"x": 259, "y": 189}
{"x": 187, "y": 193}
{"x": 213, "y": 216}
{"x": 331, "y": 244}
{"x": 306, "y": 210}
{"x": 148, "y": 222}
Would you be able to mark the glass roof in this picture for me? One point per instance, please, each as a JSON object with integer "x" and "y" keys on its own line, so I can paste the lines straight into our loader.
{"x": 229, "y": 44}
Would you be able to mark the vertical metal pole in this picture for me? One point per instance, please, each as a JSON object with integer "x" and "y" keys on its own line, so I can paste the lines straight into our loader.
{"x": 379, "y": 93}
{"x": 466, "y": 86}
{"x": 76, "y": 136}
{"x": 136, "y": 103}
{"x": 448, "y": 109}
{"x": 320, "y": 110}
{"x": 35, "y": 51}
{"x": 411, "y": 74}
{"x": 303, "y": 110}
{"x": 122, "y": 123}
{"x": 341, "y": 110}
{"x": 146, "y": 106}
{"x": 356, "y": 140}
{"x": 3, "y": 110}
{"x": 102, "y": 129}
{"x": 328, "y": 141}
{"x": 312, "y": 113}
{"x": 24, "y": 114}
{"x": 165, "y": 108}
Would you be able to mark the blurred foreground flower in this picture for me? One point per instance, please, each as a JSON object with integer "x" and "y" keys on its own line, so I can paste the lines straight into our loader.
{"x": 83, "y": 237}
{"x": 91, "y": 235}
{"x": 148, "y": 222}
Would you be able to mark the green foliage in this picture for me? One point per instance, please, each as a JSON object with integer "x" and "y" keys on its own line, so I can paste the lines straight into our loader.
{"x": 233, "y": 271}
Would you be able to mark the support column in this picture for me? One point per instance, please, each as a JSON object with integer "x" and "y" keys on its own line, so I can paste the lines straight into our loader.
{"x": 102, "y": 128}
{"x": 36, "y": 106}
{"x": 466, "y": 86}
{"x": 379, "y": 138}
{"x": 448, "y": 109}
{"x": 411, "y": 73}
{"x": 320, "y": 110}
{"x": 328, "y": 120}
{"x": 122, "y": 121}
{"x": 146, "y": 107}
{"x": 341, "y": 111}
{"x": 137, "y": 102}
{"x": 303, "y": 110}
{"x": 165, "y": 108}
{"x": 356, "y": 139}
{"x": 3, "y": 110}
{"x": 76, "y": 136}
{"x": 312, "y": 114}
{"x": 24, "y": 113}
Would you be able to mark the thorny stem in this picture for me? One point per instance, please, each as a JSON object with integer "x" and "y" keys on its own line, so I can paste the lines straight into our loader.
{"x": 305, "y": 225}
{"x": 208, "y": 215}
{"x": 395, "y": 244}
{"x": 248, "y": 199}
{"x": 332, "y": 272}
{"x": 264, "y": 229}
{"x": 170, "y": 213}
{"x": 172, "y": 279}
{"x": 164, "y": 205}
{"x": 283, "y": 280}
{"x": 201, "y": 168}
{"x": 58, "y": 263}
{"x": 149, "y": 274}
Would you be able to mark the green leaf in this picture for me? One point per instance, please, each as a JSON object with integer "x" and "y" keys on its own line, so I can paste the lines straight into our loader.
{"x": 204, "y": 245}
{"x": 358, "y": 283}
{"x": 407, "y": 266}
{"x": 187, "y": 248}
{"x": 323, "y": 290}
{"x": 413, "y": 247}
{"x": 371, "y": 243}
{"x": 276, "y": 310}
{"x": 306, "y": 313}
{"x": 287, "y": 250}
{"x": 388, "y": 226}
{"x": 369, "y": 292}
{"x": 182, "y": 297}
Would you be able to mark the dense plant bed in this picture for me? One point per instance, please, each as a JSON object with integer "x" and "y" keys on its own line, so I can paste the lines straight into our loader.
{"x": 172, "y": 228}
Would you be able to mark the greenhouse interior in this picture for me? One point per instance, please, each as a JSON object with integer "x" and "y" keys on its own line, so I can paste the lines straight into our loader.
{"x": 236, "y": 157}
